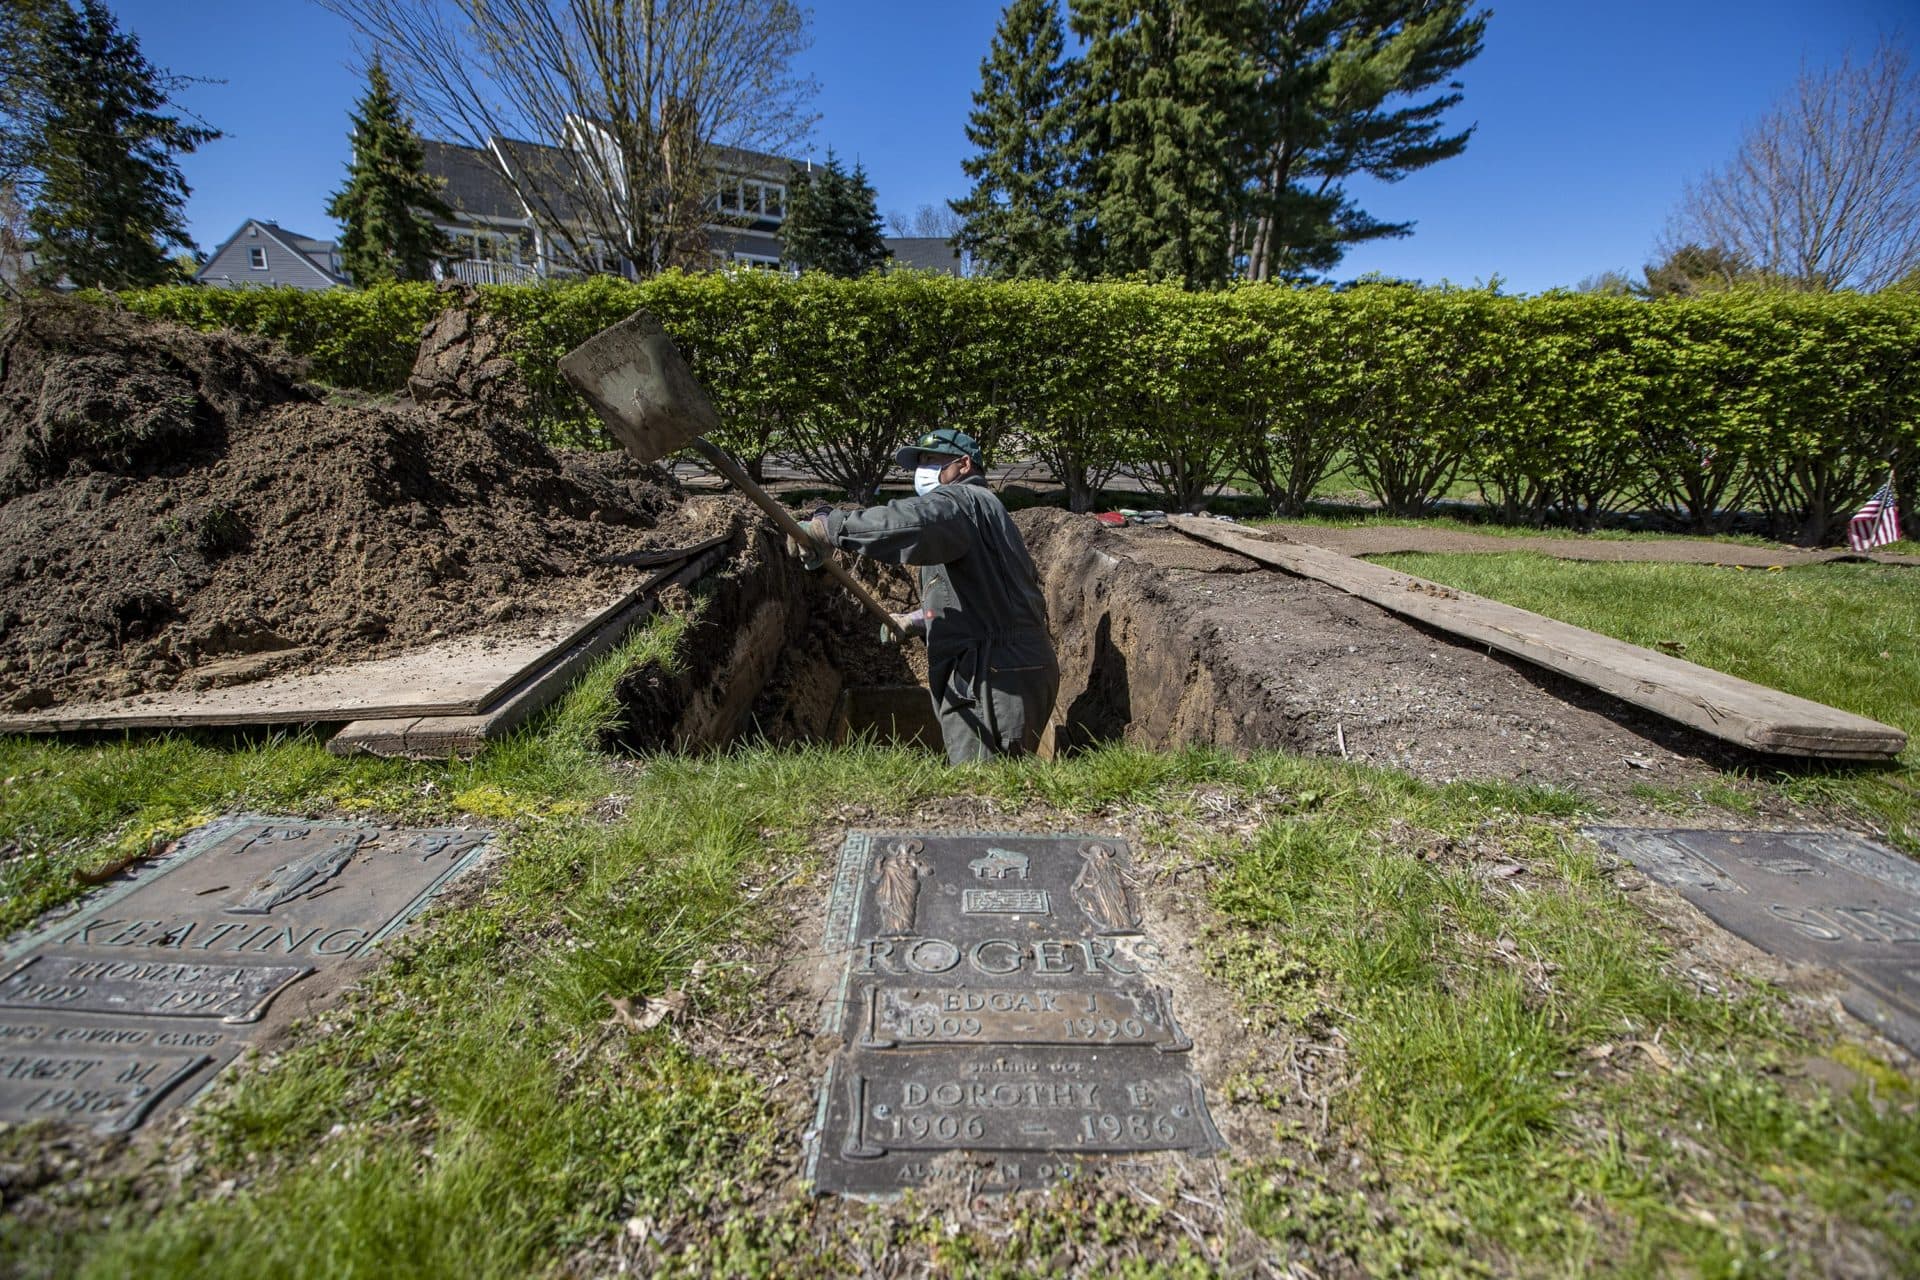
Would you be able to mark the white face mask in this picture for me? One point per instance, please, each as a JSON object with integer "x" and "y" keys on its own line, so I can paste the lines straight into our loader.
{"x": 926, "y": 479}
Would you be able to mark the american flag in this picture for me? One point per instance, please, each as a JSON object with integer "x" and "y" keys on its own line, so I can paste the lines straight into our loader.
{"x": 1877, "y": 524}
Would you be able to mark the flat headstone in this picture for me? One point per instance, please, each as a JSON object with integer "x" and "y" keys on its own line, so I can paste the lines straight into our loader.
{"x": 130, "y": 1004}
{"x": 1000, "y": 1000}
{"x": 1822, "y": 897}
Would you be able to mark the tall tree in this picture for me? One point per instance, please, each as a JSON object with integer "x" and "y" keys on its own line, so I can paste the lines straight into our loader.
{"x": 1346, "y": 87}
{"x": 832, "y": 222}
{"x": 108, "y": 195}
{"x": 1824, "y": 192}
{"x": 1689, "y": 270}
{"x": 632, "y": 99}
{"x": 23, "y": 104}
{"x": 1018, "y": 218}
{"x": 388, "y": 208}
{"x": 929, "y": 221}
{"x": 1164, "y": 122}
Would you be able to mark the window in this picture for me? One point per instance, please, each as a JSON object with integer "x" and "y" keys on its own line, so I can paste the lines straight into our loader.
{"x": 729, "y": 195}
{"x": 764, "y": 198}
{"x": 257, "y": 257}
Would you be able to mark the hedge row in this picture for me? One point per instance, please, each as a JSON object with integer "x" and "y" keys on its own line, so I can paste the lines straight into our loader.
{"x": 1560, "y": 407}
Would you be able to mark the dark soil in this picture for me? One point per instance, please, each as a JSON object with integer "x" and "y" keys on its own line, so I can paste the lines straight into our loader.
{"x": 171, "y": 499}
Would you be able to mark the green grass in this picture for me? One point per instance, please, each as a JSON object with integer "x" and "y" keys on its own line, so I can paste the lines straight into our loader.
{"x": 1844, "y": 634}
{"x": 1324, "y": 518}
{"x": 1487, "y": 1034}
{"x": 469, "y": 1111}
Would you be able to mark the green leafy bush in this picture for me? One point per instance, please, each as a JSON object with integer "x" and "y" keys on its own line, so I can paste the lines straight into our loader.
{"x": 1562, "y": 407}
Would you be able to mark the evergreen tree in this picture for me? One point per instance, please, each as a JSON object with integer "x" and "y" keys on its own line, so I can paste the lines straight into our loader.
{"x": 832, "y": 222}
{"x": 388, "y": 208}
{"x": 1019, "y": 217}
{"x": 109, "y": 197}
{"x": 1164, "y": 124}
{"x": 1337, "y": 79}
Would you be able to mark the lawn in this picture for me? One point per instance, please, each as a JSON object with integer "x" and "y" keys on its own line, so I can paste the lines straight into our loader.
{"x": 1844, "y": 634}
{"x": 1451, "y": 1040}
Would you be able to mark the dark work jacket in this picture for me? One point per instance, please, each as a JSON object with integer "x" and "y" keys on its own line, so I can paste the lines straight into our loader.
{"x": 976, "y": 579}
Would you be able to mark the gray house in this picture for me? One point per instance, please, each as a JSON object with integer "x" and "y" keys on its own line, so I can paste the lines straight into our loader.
{"x": 498, "y": 239}
{"x": 925, "y": 253}
{"x": 262, "y": 253}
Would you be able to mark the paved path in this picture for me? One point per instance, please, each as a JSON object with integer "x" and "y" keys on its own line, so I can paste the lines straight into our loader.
{"x": 1379, "y": 540}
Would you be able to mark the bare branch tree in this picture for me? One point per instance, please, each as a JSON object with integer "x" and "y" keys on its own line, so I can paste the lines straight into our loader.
{"x": 1824, "y": 192}
{"x": 603, "y": 115}
{"x": 926, "y": 222}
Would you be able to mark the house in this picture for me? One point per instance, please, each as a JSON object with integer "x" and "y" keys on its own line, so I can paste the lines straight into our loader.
{"x": 499, "y": 239}
{"x": 925, "y": 253}
{"x": 264, "y": 253}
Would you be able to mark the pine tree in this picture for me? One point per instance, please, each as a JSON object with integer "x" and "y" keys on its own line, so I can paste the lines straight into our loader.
{"x": 1165, "y": 122}
{"x": 109, "y": 197}
{"x": 1338, "y": 87}
{"x": 1020, "y": 214}
{"x": 832, "y": 222}
{"x": 388, "y": 208}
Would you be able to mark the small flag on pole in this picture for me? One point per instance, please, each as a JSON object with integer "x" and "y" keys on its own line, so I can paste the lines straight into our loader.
{"x": 1877, "y": 524}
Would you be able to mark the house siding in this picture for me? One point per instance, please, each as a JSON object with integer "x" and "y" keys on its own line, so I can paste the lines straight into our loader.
{"x": 230, "y": 267}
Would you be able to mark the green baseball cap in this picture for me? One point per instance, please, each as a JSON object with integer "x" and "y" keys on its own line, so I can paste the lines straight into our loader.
{"x": 946, "y": 442}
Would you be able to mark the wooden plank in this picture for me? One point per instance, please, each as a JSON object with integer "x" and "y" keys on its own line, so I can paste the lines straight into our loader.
{"x": 463, "y": 676}
{"x": 450, "y": 676}
{"x": 1725, "y": 706}
{"x": 437, "y": 737}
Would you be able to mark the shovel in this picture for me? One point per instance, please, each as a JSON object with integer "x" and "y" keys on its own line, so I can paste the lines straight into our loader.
{"x": 636, "y": 380}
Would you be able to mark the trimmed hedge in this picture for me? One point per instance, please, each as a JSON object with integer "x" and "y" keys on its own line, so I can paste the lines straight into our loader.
{"x": 1561, "y": 407}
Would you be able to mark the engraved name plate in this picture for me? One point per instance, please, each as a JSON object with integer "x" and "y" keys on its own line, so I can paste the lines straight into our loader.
{"x": 1002, "y": 1102}
{"x": 134, "y": 1000}
{"x": 163, "y": 988}
{"x": 1828, "y": 898}
{"x": 110, "y": 1089}
{"x": 1000, "y": 1004}
{"x": 996, "y": 1015}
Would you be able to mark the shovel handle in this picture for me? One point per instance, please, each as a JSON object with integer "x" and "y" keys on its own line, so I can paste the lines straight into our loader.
{"x": 723, "y": 461}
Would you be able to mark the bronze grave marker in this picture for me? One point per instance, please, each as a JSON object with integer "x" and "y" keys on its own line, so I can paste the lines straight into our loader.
{"x": 132, "y": 1002}
{"x": 998, "y": 999}
{"x": 1825, "y": 897}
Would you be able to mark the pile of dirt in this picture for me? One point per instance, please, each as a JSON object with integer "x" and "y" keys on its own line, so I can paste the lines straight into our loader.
{"x": 170, "y": 499}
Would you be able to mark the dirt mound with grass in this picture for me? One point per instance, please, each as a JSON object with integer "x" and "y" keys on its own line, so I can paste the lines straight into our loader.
{"x": 171, "y": 501}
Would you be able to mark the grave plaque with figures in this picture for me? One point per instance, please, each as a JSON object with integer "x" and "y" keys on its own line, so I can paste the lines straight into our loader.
{"x": 131, "y": 1003}
{"x": 998, "y": 999}
{"x": 1825, "y": 897}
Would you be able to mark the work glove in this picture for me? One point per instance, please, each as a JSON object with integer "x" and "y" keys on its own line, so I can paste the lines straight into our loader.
{"x": 914, "y": 624}
{"x": 813, "y": 552}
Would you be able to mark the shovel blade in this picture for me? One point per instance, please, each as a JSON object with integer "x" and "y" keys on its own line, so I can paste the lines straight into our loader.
{"x": 637, "y": 381}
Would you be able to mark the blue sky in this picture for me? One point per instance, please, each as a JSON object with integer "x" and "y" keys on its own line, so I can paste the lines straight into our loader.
{"x": 1590, "y": 117}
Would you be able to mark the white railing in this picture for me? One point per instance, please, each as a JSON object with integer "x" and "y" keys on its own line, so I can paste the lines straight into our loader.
{"x": 475, "y": 271}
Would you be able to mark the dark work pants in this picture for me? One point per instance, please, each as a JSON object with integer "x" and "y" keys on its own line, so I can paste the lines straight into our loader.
{"x": 1000, "y": 714}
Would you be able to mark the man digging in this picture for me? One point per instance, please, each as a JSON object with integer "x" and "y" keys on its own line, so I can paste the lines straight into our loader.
{"x": 990, "y": 662}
